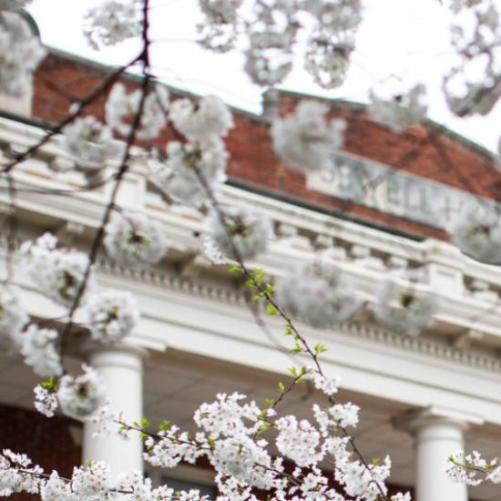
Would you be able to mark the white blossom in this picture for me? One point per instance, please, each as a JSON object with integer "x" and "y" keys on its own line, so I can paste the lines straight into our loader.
{"x": 20, "y": 54}
{"x": 219, "y": 11}
{"x": 57, "y": 489}
{"x": 405, "y": 307}
{"x": 241, "y": 235}
{"x": 111, "y": 315}
{"x": 12, "y": 317}
{"x": 112, "y": 22}
{"x": 271, "y": 34}
{"x": 227, "y": 417}
{"x": 89, "y": 141}
{"x": 81, "y": 396}
{"x": 317, "y": 293}
{"x": 327, "y": 57}
{"x": 345, "y": 414}
{"x": 38, "y": 347}
{"x": 133, "y": 237}
{"x": 298, "y": 440}
{"x": 245, "y": 459}
{"x": 59, "y": 273}
{"x": 218, "y": 32}
{"x": 335, "y": 15}
{"x": 202, "y": 121}
{"x": 121, "y": 110}
{"x": 45, "y": 401}
{"x": 179, "y": 177}
{"x": 470, "y": 469}
{"x": 305, "y": 140}
{"x": 360, "y": 481}
{"x": 473, "y": 84}
{"x": 476, "y": 230}
{"x": 397, "y": 105}
{"x": 93, "y": 481}
{"x": 13, "y": 480}
{"x": 399, "y": 496}
{"x": 327, "y": 385}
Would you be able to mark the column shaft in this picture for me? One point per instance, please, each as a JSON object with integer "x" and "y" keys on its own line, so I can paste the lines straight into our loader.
{"x": 122, "y": 374}
{"x": 435, "y": 441}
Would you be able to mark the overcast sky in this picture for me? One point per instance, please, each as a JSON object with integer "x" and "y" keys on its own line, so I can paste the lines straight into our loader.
{"x": 409, "y": 37}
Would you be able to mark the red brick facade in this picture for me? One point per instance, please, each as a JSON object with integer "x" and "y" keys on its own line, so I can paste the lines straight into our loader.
{"x": 427, "y": 151}
{"x": 51, "y": 443}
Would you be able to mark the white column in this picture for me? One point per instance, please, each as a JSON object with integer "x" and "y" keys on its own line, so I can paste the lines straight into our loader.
{"x": 121, "y": 370}
{"x": 438, "y": 434}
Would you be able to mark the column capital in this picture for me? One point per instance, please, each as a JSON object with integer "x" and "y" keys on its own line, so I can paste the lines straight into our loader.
{"x": 417, "y": 419}
{"x": 91, "y": 347}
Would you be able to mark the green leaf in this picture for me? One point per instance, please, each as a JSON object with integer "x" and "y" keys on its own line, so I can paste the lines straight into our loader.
{"x": 50, "y": 384}
{"x": 235, "y": 269}
{"x": 165, "y": 426}
{"x": 270, "y": 402}
{"x": 281, "y": 386}
{"x": 272, "y": 310}
{"x": 320, "y": 348}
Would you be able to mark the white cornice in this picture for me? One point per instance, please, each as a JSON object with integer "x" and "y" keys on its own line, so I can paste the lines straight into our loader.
{"x": 469, "y": 290}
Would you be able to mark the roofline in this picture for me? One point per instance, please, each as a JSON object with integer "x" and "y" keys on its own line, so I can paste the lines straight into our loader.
{"x": 478, "y": 148}
{"x": 137, "y": 78}
{"x": 482, "y": 150}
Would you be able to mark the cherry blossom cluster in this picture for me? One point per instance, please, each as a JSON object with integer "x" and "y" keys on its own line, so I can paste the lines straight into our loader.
{"x": 405, "y": 307}
{"x": 476, "y": 230}
{"x": 66, "y": 277}
{"x": 194, "y": 169}
{"x": 87, "y": 483}
{"x": 231, "y": 437}
{"x": 79, "y": 397}
{"x": 133, "y": 238}
{"x": 473, "y": 469}
{"x": 20, "y": 51}
{"x": 306, "y": 139}
{"x": 238, "y": 233}
{"x": 112, "y": 22}
{"x": 397, "y": 104}
{"x": 473, "y": 85}
{"x": 270, "y": 29}
{"x": 317, "y": 293}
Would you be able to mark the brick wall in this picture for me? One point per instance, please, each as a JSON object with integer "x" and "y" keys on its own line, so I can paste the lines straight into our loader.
{"x": 48, "y": 442}
{"x": 427, "y": 151}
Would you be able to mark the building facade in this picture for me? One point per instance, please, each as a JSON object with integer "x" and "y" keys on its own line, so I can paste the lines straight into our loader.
{"x": 384, "y": 208}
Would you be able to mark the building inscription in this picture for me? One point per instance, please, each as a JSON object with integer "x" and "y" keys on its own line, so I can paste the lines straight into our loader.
{"x": 388, "y": 190}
